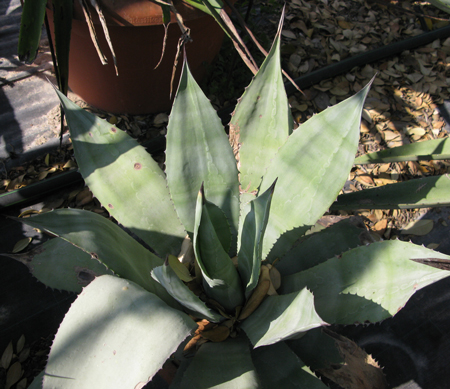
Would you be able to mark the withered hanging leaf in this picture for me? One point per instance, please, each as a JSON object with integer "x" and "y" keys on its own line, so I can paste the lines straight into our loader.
{"x": 418, "y": 227}
{"x": 21, "y": 245}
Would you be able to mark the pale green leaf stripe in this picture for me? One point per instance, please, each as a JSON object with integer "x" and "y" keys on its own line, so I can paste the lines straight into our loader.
{"x": 418, "y": 151}
{"x": 106, "y": 241}
{"x": 282, "y": 317}
{"x": 60, "y": 265}
{"x": 312, "y": 167}
{"x": 198, "y": 152}
{"x": 113, "y": 323}
{"x": 316, "y": 248}
{"x": 249, "y": 263}
{"x": 220, "y": 277}
{"x": 418, "y": 193}
{"x": 369, "y": 283}
{"x": 180, "y": 292}
{"x": 224, "y": 365}
{"x": 279, "y": 367}
{"x": 262, "y": 121}
{"x": 125, "y": 178}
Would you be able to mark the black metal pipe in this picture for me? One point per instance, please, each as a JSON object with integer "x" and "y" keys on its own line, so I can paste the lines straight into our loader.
{"x": 36, "y": 191}
{"x": 348, "y": 64}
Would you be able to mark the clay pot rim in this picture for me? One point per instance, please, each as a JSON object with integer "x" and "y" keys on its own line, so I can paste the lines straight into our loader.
{"x": 139, "y": 13}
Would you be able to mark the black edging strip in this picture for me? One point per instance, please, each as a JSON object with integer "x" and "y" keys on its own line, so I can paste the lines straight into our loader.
{"x": 38, "y": 190}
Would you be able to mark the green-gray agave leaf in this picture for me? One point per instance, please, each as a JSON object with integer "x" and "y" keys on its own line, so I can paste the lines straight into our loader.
{"x": 262, "y": 121}
{"x": 417, "y": 151}
{"x": 279, "y": 367}
{"x": 325, "y": 244}
{"x": 418, "y": 193}
{"x": 180, "y": 292}
{"x": 106, "y": 242}
{"x": 316, "y": 349}
{"x": 105, "y": 155}
{"x": 220, "y": 277}
{"x": 198, "y": 152}
{"x": 60, "y": 265}
{"x": 368, "y": 283}
{"x": 111, "y": 321}
{"x": 222, "y": 365}
{"x": 318, "y": 155}
{"x": 250, "y": 252}
{"x": 282, "y": 317}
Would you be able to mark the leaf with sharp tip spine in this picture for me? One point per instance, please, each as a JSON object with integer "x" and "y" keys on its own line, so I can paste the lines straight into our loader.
{"x": 105, "y": 155}
{"x": 198, "y": 152}
{"x": 368, "y": 283}
{"x": 315, "y": 162}
{"x": 106, "y": 241}
{"x": 323, "y": 245}
{"x": 282, "y": 317}
{"x": 262, "y": 121}
{"x": 417, "y": 151}
{"x": 180, "y": 292}
{"x": 418, "y": 193}
{"x": 249, "y": 257}
{"x": 220, "y": 277}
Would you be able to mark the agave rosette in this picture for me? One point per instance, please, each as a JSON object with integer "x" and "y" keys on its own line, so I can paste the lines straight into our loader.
{"x": 253, "y": 195}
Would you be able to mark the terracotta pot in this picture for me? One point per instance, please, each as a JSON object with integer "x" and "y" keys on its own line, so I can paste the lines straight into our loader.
{"x": 137, "y": 38}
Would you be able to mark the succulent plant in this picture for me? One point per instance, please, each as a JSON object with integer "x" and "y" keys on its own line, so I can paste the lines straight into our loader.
{"x": 241, "y": 272}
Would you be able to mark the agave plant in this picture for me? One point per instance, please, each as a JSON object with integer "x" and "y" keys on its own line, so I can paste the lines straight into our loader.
{"x": 240, "y": 273}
